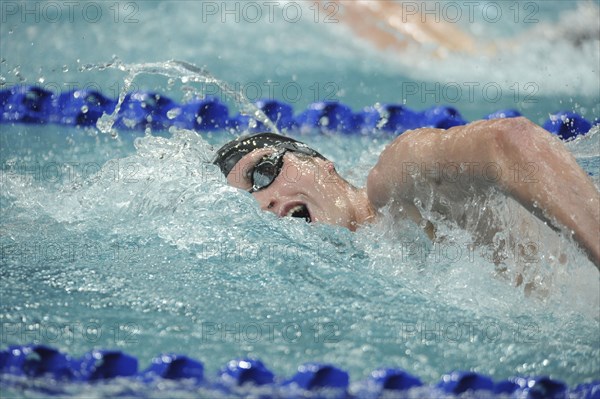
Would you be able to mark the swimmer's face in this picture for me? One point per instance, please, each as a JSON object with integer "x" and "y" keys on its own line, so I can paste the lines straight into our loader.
{"x": 305, "y": 187}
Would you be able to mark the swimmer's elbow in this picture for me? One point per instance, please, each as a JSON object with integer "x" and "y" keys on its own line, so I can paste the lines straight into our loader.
{"x": 515, "y": 138}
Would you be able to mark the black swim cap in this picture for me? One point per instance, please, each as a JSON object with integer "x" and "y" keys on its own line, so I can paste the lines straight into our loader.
{"x": 231, "y": 153}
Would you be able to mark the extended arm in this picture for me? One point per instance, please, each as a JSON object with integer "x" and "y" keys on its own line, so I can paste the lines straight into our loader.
{"x": 529, "y": 164}
{"x": 394, "y": 25}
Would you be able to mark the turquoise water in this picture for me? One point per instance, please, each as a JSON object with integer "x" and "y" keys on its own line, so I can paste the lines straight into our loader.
{"x": 136, "y": 243}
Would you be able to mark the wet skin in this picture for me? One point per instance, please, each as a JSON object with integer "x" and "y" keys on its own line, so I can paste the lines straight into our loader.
{"x": 560, "y": 194}
{"x": 306, "y": 182}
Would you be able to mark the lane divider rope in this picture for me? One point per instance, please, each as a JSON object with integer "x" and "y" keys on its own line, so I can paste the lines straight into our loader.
{"x": 141, "y": 110}
{"x": 40, "y": 361}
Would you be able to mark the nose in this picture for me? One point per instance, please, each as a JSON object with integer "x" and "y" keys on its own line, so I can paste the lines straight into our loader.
{"x": 267, "y": 199}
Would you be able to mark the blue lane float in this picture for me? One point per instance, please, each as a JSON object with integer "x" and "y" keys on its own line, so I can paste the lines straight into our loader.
{"x": 142, "y": 110}
{"x": 241, "y": 377}
{"x": 567, "y": 125}
{"x": 79, "y": 108}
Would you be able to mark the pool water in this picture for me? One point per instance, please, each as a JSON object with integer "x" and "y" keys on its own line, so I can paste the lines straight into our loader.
{"x": 137, "y": 243}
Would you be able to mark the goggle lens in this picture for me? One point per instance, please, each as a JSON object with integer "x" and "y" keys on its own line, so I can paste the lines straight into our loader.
{"x": 266, "y": 171}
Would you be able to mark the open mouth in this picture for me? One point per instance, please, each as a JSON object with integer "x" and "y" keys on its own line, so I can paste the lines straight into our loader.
{"x": 300, "y": 211}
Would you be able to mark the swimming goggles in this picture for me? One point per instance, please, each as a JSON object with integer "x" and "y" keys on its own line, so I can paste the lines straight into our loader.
{"x": 231, "y": 153}
{"x": 266, "y": 171}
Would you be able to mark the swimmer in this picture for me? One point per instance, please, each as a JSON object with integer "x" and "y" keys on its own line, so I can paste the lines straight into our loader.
{"x": 288, "y": 178}
{"x": 394, "y": 26}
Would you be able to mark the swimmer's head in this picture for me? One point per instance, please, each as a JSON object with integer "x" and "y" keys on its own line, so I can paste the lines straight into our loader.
{"x": 231, "y": 153}
{"x": 288, "y": 178}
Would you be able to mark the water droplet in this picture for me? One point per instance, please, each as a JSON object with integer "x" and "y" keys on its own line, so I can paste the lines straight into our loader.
{"x": 324, "y": 121}
{"x": 173, "y": 113}
{"x": 185, "y": 79}
{"x": 252, "y": 123}
{"x": 84, "y": 109}
{"x": 41, "y": 80}
{"x": 105, "y": 124}
{"x": 199, "y": 120}
{"x": 130, "y": 123}
{"x": 65, "y": 68}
